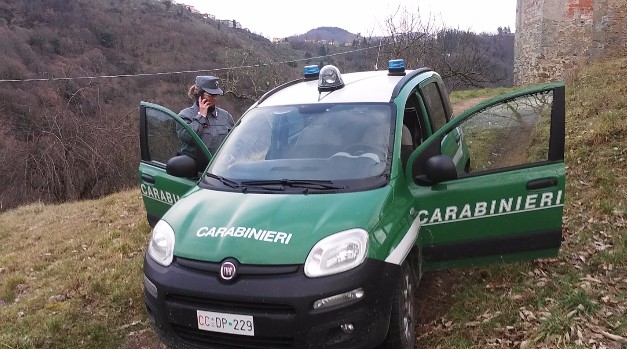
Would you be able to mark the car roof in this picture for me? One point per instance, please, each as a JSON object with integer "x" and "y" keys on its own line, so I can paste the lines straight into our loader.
{"x": 370, "y": 86}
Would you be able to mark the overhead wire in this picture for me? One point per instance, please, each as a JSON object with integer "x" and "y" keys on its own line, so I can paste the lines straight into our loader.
{"x": 185, "y": 71}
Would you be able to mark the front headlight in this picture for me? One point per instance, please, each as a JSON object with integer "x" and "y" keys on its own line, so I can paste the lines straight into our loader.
{"x": 161, "y": 246}
{"x": 337, "y": 253}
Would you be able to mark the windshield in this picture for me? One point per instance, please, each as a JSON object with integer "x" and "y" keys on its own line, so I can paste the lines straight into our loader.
{"x": 322, "y": 142}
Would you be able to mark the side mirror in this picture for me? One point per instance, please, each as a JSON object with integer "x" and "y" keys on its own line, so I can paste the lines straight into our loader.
{"x": 438, "y": 168}
{"x": 182, "y": 166}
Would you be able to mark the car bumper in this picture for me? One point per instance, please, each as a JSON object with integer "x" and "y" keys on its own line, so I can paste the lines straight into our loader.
{"x": 280, "y": 300}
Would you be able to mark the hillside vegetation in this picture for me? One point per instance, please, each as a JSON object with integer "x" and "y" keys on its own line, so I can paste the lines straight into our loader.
{"x": 71, "y": 274}
{"x": 72, "y": 74}
{"x": 74, "y": 136}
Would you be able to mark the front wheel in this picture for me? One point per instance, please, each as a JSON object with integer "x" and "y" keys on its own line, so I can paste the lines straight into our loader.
{"x": 402, "y": 330}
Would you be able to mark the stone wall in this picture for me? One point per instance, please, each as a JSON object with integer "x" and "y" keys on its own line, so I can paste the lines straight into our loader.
{"x": 610, "y": 30}
{"x": 553, "y": 37}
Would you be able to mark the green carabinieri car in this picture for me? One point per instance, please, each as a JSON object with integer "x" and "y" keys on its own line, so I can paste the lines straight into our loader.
{"x": 314, "y": 221}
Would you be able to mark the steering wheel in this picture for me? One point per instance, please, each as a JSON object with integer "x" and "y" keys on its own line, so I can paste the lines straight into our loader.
{"x": 363, "y": 148}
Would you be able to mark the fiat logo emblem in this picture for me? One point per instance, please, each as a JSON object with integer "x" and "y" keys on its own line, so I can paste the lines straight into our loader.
{"x": 227, "y": 270}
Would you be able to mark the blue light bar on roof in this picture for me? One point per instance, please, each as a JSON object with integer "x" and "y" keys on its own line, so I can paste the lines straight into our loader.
{"x": 396, "y": 67}
{"x": 312, "y": 72}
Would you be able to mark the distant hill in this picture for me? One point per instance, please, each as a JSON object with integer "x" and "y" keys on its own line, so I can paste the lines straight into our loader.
{"x": 330, "y": 34}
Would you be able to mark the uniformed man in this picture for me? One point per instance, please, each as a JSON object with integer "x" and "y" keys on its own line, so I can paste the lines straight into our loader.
{"x": 209, "y": 122}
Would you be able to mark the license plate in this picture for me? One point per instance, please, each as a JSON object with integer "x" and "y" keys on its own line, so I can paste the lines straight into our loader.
{"x": 225, "y": 323}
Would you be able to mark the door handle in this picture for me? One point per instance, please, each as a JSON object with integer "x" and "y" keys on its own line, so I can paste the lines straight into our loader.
{"x": 541, "y": 183}
{"x": 458, "y": 137}
{"x": 148, "y": 178}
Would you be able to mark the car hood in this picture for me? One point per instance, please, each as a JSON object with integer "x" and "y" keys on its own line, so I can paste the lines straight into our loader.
{"x": 266, "y": 228}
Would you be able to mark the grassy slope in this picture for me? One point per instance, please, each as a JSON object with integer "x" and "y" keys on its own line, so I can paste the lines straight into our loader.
{"x": 70, "y": 274}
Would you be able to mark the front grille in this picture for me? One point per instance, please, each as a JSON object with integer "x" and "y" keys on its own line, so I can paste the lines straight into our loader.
{"x": 229, "y": 305}
{"x": 242, "y": 270}
{"x": 197, "y": 337}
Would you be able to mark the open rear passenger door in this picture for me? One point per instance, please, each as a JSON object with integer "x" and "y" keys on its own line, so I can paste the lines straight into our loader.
{"x": 507, "y": 203}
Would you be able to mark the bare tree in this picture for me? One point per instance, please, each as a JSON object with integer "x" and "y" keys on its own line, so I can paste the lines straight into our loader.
{"x": 465, "y": 61}
{"x": 408, "y": 37}
{"x": 253, "y": 76}
{"x": 65, "y": 148}
{"x": 459, "y": 56}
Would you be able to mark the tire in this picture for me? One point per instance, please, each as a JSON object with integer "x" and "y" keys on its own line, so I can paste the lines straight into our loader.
{"x": 402, "y": 330}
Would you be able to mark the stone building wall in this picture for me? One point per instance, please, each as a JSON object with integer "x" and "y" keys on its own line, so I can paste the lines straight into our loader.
{"x": 610, "y": 30}
{"x": 553, "y": 37}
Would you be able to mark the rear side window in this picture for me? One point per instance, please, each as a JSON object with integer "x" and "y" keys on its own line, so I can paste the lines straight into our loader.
{"x": 434, "y": 104}
{"x": 161, "y": 136}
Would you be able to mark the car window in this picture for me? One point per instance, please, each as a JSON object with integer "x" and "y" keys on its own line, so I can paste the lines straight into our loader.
{"x": 513, "y": 133}
{"x": 434, "y": 104}
{"x": 161, "y": 136}
{"x": 317, "y": 142}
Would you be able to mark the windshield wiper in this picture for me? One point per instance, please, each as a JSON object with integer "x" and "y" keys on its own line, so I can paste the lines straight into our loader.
{"x": 295, "y": 183}
{"x": 225, "y": 181}
{"x": 313, "y": 184}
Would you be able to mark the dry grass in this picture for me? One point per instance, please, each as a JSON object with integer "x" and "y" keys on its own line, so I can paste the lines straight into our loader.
{"x": 70, "y": 275}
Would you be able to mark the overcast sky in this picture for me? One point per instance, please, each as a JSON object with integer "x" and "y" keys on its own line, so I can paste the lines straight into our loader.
{"x": 281, "y": 18}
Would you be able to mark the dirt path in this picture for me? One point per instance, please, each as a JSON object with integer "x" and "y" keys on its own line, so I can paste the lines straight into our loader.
{"x": 466, "y": 104}
{"x": 142, "y": 339}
